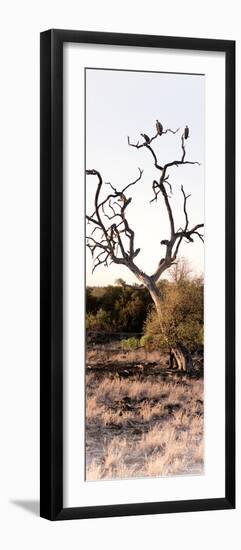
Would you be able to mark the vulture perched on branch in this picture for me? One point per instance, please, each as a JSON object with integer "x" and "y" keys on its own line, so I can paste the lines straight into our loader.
{"x": 186, "y": 132}
{"x": 159, "y": 127}
{"x": 146, "y": 138}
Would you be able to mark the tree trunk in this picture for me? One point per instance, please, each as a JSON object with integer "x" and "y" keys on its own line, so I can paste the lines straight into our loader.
{"x": 179, "y": 356}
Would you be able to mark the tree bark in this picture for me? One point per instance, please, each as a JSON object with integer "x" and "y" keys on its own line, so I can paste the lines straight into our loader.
{"x": 180, "y": 358}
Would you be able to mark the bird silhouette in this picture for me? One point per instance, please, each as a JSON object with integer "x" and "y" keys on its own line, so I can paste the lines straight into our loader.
{"x": 146, "y": 138}
{"x": 159, "y": 127}
{"x": 186, "y": 132}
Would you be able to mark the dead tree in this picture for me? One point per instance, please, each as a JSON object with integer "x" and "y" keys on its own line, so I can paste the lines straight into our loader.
{"x": 112, "y": 240}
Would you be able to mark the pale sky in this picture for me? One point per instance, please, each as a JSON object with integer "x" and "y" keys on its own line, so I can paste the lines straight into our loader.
{"x": 122, "y": 103}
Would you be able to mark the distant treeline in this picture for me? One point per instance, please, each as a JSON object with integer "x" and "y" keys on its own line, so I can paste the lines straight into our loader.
{"x": 118, "y": 308}
{"x": 123, "y": 308}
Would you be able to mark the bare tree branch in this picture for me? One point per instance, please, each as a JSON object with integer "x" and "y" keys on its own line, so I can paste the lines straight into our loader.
{"x": 111, "y": 247}
{"x": 175, "y": 237}
{"x": 147, "y": 145}
{"x": 117, "y": 241}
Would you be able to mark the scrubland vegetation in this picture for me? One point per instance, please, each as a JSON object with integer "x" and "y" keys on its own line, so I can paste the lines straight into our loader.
{"x": 142, "y": 419}
{"x": 128, "y": 309}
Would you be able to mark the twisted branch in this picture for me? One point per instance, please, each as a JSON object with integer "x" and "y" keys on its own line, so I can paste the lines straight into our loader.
{"x": 117, "y": 241}
{"x": 111, "y": 246}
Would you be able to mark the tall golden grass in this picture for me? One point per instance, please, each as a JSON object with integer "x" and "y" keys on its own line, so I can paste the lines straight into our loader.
{"x": 143, "y": 427}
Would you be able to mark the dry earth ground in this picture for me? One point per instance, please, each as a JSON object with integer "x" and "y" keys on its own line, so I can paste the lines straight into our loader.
{"x": 143, "y": 420}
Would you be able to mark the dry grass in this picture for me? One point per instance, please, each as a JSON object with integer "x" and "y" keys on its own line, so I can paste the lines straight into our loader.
{"x": 138, "y": 427}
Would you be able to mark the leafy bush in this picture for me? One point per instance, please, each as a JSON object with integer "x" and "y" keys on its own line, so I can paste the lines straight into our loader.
{"x": 151, "y": 341}
{"x": 182, "y": 316}
{"x": 100, "y": 321}
{"x": 130, "y": 344}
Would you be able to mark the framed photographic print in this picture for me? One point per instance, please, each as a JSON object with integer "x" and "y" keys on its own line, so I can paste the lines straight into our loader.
{"x": 137, "y": 274}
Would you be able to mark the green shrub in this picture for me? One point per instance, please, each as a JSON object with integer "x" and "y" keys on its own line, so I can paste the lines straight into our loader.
{"x": 182, "y": 316}
{"x": 130, "y": 343}
{"x": 151, "y": 341}
{"x": 100, "y": 321}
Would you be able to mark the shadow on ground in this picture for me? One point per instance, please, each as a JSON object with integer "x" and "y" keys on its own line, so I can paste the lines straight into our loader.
{"x": 31, "y": 506}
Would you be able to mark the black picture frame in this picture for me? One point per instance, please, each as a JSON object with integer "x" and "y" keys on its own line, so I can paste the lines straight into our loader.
{"x": 51, "y": 325}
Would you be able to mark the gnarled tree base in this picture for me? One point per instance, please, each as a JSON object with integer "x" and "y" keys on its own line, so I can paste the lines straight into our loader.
{"x": 180, "y": 358}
